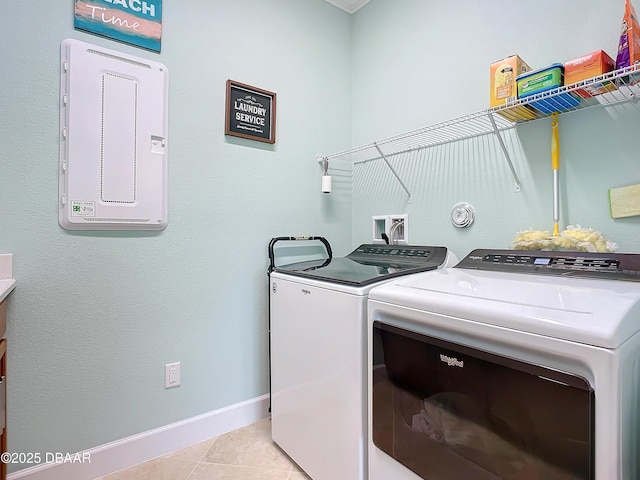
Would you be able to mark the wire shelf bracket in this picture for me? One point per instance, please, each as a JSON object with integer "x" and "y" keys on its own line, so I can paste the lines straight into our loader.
{"x": 514, "y": 174}
{"x": 393, "y": 170}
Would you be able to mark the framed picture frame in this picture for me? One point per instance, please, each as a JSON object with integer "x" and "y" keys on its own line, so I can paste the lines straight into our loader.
{"x": 250, "y": 112}
{"x": 135, "y": 23}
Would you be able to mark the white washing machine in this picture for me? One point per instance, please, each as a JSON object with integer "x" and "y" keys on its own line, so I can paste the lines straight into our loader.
{"x": 318, "y": 312}
{"x": 512, "y": 365}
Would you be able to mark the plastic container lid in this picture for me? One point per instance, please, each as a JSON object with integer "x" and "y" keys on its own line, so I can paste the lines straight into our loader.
{"x": 540, "y": 70}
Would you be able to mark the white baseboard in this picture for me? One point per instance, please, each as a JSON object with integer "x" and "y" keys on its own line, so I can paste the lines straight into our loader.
{"x": 126, "y": 452}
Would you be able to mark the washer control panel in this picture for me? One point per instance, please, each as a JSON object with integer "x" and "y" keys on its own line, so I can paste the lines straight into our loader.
{"x": 399, "y": 255}
{"x": 396, "y": 251}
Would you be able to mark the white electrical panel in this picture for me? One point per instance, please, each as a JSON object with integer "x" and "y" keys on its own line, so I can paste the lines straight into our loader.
{"x": 113, "y": 140}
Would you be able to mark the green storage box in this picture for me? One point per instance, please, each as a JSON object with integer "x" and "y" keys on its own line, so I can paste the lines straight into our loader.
{"x": 537, "y": 81}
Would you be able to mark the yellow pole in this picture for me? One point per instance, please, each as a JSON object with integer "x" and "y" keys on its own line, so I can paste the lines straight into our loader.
{"x": 555, "y": 166}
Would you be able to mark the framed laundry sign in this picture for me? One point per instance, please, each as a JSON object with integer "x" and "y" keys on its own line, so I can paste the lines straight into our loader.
{"x": 250, "y": 112}
{"x": 137, "y": 22}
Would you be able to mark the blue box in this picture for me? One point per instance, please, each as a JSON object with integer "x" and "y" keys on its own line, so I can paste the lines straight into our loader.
{"x": 543, "y": 80}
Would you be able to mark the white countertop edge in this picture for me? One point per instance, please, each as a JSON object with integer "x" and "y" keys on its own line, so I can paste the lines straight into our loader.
{"x": 6, "y": 287}
{"x": 6, "y": 266}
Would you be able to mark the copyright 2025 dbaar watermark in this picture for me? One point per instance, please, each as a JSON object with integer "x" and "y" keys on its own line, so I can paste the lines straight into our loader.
{"x": 36, "y": 458}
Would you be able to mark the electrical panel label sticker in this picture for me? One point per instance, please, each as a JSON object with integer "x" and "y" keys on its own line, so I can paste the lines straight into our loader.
{"x": 83, "y": 209}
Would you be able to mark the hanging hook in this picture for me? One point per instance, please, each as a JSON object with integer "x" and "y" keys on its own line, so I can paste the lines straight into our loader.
{"x": 326, "y": 178}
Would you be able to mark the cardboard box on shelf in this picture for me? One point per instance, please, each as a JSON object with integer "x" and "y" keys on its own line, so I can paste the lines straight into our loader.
{"x": 588, "y": 66}
{"x": 503, "y": 80}
{"x": 504, "y": 90}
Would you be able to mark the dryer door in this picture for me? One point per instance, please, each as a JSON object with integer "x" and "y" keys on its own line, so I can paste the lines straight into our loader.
{"x": 447, "y": 412}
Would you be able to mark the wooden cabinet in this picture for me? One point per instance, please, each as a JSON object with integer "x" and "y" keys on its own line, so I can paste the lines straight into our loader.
{"x": 3, "y": 317}
{"x": 3, "y": 388}
{"x": 7, "y": 284}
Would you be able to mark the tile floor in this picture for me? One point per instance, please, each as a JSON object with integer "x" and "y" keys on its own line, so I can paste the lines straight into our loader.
{"x": 244, "y": 454}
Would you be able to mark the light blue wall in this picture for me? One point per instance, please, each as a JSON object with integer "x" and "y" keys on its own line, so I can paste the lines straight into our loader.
{"x": 95, "y": 316}
{"x": 418, "y": 63}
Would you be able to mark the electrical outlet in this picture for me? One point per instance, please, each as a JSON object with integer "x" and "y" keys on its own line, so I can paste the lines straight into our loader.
{"x": 172, "y": 375}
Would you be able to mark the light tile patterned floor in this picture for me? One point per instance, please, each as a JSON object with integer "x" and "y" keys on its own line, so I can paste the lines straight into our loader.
{"x": 244, "y": 454}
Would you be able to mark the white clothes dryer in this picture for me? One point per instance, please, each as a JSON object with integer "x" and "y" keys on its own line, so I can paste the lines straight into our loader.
{"x": 318, "y": 313}
{"x": 512, "y": 365}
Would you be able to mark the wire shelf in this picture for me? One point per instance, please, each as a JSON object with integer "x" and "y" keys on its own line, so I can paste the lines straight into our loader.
{"x": 611, "y": 88}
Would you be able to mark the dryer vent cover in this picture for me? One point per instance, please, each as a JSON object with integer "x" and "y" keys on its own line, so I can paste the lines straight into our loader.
{"x": 113, "y": 140}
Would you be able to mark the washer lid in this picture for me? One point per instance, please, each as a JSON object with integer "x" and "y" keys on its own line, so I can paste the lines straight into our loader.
{"x": 370, "y": 263}
{"x": 602, "y": 313}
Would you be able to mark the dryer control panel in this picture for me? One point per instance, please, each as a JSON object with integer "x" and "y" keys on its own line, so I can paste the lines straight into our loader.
{"x": 616, "y": 266}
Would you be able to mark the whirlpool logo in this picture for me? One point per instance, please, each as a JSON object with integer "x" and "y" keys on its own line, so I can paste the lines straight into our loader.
{"x": 451, "y": 361}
